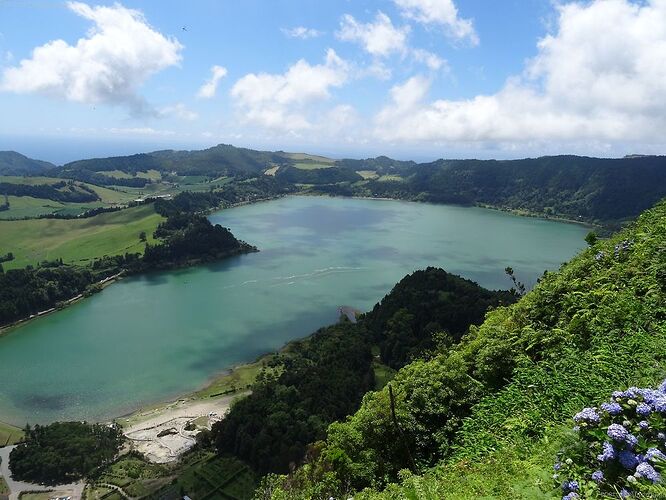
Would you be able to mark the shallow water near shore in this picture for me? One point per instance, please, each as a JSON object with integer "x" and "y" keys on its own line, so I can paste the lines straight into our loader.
{"x": 153, "y": 337}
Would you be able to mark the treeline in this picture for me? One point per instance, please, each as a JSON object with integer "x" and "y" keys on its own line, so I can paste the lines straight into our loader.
{"x": 427, "y": 308}
{"x": 24, "y": 292}
{"x": 63, "y": 452}
{"x": 323, "y": 378}
{"x": 60, "y": 191}
{"x": 330, "y": 175}
{"x": 98, "y": 179}
{"x": 318, "y": 381}
{"x": 486, "y": 411}
{"x": 189, "y": 238}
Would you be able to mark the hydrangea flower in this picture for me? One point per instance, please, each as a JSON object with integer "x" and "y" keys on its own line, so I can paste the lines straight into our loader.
{"x": 648, "y": 472}
{"x": 631, "y": 441}
{"x": 597, "y": 476}
{"x": 570, "y": 496}
{"x": 627, "y": 459}
{"x": 608, "y": 453}
{"x": 557, "y": 466}
{"x": 662, "y": 387}
{"x": 653, "y": 455}
{"x": 587, "y": 415}
{"x": 660, "y": 404}
{"x": 643, "y": 424}
{"x": 612, "y": 408}
{"x": 617, "y": 433}
{"x": 643, "y": 409}
{"x": 661, "y": 436}
{"x": 625, "y": 493}
{"x": 570, "y": 486}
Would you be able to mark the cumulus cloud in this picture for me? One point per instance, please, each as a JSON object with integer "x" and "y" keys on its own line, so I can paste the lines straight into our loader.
{"x": 432, "y": 61}
{"x": 209, "y": 88}
{"x": 301, "y": 32}
{"x": 600, "y": 76}
{"x": 119, "y": 53}
{"x": 379, "y": 38}
{"x": 442, "y": 13}
{"x": 281, "y": 102}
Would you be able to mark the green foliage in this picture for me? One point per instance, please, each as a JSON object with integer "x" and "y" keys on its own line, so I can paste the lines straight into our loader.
{"x": 499, "y": 396}
{"x": 13, "y": 163}
{"x": 63, "y": 452}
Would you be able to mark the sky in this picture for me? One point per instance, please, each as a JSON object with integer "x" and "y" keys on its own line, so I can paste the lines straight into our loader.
{"x": 412, "y": 79}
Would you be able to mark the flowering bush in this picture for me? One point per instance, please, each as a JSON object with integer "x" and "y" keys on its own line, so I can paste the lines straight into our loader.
{"x": 621, "y": 447}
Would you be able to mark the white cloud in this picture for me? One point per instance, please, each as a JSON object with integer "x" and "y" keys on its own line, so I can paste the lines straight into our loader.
{"x": 432, "y": 61}
{"x": 281, "y": 102}
{"x": 600, "y": 77}
{"x": 109, "y": 65}
{"x": 379, "y": 38}
{"x": 439, "y": 12}
{"x": 179, "y": 111}
{"x": 209, "y": 88}
{"x": 301, "y": 32}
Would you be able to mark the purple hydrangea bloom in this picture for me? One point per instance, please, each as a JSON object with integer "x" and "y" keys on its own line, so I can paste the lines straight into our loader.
{"x": 608, "y": 453}
{"x": 661, "y": 436}
{"x": 557, "y": 466}
{"x": 618, "y": 394}
{"x": 631, "y": 441}
{"x": 570, "y": 496}
{"x": 627, "y": 459}
{"x": 570, "y": 486}
{"x": 653, "y": 454}
{"x": 612, "y": 408}
{"x": 617, "y": 433}
{"x": 643, "y": 424}
{"x": 625, "y": 493}
{"x": 647, "y": 471}
{"x": 597, "y": 476}
{"x": 643, "y": 409}
{"x": 632, "y": 392}
{"x": 650, "y": 395}
{"x": 660, "y": 404}
{"x": 588, "y": 415}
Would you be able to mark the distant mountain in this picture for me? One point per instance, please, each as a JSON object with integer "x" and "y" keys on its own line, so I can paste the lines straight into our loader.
{"x": 13, "y": 163}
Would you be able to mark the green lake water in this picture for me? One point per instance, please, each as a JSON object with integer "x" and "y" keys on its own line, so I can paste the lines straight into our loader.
{"x": 153, "y": 337}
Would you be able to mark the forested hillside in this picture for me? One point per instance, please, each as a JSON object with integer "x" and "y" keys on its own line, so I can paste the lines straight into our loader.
{"x": 486, "y": 417}
{"x": 13, "y": 163}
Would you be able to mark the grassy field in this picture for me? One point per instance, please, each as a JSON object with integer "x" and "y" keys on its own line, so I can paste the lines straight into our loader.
{"x": 386, "y": 178}
{"x": 304, "y": 157}
{"x": 77, "y": 240}
{"x": 9, "y": 434}
{"x": 153, "y": 175}
{"x": 367, "y": 174}
{"x": 312, "y": 165}
{"x": 383, "y": 375}
{"x": 238, "y": 379}
{"x": 4, "y": 489}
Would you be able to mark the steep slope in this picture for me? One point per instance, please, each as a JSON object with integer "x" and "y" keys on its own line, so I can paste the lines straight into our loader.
{"x": 13, "y": 163}
{"x": 484, "y": 418}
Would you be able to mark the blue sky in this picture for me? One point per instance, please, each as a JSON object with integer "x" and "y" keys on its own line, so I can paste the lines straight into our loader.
{"x": 417, "y": 79}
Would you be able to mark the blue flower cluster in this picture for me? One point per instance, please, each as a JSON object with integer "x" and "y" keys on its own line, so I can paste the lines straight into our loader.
{"x": 625, "y": 444}
{"x": 623, "y": 246}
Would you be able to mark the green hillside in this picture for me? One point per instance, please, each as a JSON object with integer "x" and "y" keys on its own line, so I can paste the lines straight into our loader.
{"x": 486, "y": 417}
{"x": 13, "y": 163}
{"x": 77, "y": 241}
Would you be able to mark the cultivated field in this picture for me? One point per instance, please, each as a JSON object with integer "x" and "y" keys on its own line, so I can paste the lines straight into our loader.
{"x": 77, "y": 240}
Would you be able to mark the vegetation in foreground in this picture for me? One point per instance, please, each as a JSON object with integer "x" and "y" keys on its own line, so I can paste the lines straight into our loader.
{"x": 486, "y": 417}
{"x": 9, "y": 435}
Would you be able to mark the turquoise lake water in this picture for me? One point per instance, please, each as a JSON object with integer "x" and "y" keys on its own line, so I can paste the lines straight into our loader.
{"x": 153, "y": 337}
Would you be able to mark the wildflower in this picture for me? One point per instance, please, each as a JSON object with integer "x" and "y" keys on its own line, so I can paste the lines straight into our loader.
{"x": 599, "y": 256}
{"x": 627, "y": 459}
{"x": 597, "y": 476}
{"x": 643, "y": 424}
{"x": 625, "y": 493}
{"x": 646, "y": 471}
{"x": 608, "y": 453}
{"x": 631, "y": 441}
{"x": 618, "y": 394}
{"x": 587, "y": 415}
{"x": 653, "y": 455}
{"x": 612, "y": 408}
{"x": 661, "y": 436}
{"x": 643, "y": 409}
{"x": 616, "y": 432}
{"x": 557, "y": 466}
{"x": 570, "y": 486}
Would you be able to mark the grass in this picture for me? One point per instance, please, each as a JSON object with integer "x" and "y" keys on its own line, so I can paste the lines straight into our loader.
{"x": 77, "y": 240}
{"x": 388, "y": 178}
{"x": 383, "y": 375}
{"x": 42, "y": 495}
{"x": 9, "y": 434}
{"x": 153, "y": 175}
{"x": 271, "y": 171}
{"x": 368, "y": 174}
{"x": 312, "y": 158}
{"x": 312, "y": 165}
{"x": 4, "y": 489}
{"x": 238, "y": 378}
